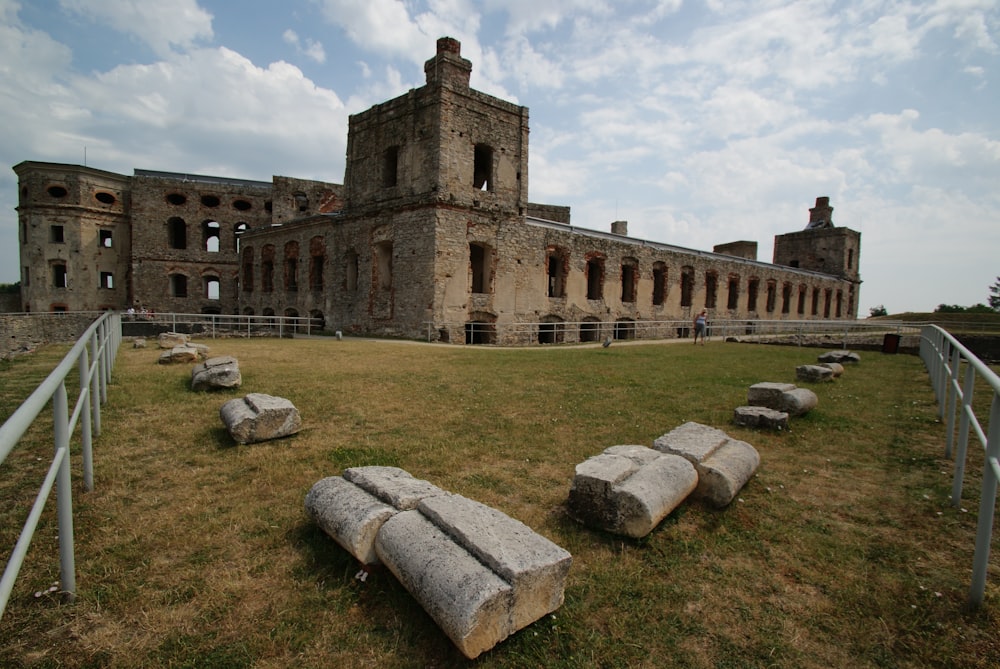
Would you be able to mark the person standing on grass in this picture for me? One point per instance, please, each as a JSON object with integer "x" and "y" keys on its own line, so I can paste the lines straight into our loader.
{"x": 700, "y": 325}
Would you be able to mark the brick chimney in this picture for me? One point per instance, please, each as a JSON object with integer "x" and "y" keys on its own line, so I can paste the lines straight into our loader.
{"x": 448, "y": 67}
{"x": 619, "y": 228}
{"x": 821, "y": 216}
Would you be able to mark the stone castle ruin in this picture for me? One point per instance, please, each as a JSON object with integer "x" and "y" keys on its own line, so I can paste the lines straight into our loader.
{"x": 431, "y": 233}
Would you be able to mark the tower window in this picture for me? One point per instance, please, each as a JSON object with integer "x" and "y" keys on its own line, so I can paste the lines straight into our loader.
{"x": 480, "y": 267}
{"x": 390, "y": 167}
{"x": 105, "y": 238}
{"x": 59, "y": 276}
{"x": 56, "y": 234}
{"x": 482, "y": 171}
{"x": 177, "y": 233}
{"x": 107, "y": 280}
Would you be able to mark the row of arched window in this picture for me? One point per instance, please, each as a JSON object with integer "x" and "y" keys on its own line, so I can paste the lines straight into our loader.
{"x": 210, "y": 234}
{"x": 287, "y": 260}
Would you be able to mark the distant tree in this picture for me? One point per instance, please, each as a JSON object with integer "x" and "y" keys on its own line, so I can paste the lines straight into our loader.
{"x": 995, "y": 295}
{"x": 979, "y": 309}
{"x": 949, "y": 309}
{"x": 878, "y": 310}
{"x": 10, "y": 287}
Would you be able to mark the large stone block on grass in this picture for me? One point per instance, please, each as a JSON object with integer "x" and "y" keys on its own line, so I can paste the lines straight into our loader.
{"x": 784, "y": 397}
{"x": 761, "y": 417}
{"x": 259, "y": 417}
{"x": 222, "y": 372}
{"x": 724, "y": 473}
{"x": 841, "y": 356}
{"x": 169, "y": 340}
{"x": 629, "y": 490}
{"x": 724, "y": 465}
{"x": 480, "y": 574}
{"x": 813, "y": 373}
{"x": 835, "y": 367}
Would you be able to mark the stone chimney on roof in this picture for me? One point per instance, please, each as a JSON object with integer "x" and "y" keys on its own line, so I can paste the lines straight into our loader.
{"x": 821, "y": 216}
{"x": 448, "y": 67}
{"x": 619, "y": 228}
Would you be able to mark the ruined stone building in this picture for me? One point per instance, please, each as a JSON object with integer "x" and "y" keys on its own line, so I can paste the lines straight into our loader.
{"x": 430, "y": 233}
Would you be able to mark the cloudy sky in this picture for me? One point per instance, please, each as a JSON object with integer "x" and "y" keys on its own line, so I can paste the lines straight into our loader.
{"x": 697, "y": 122}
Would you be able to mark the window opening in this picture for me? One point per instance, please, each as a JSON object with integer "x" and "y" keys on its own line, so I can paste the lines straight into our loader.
{"x": 479, "y": 267}
{"x": 711, "y": 289}
{"x": 772, "y": 295}
{"x": 815, "y": 302}
{"x": 178, "y": 285}
{"x": 317, "y": 258}
{"x": 59, "y": 279}
{"x": 801, "y": 309}
{"x": 301, "y": 201}
{"x": 242, "y": 205}
{"x": 248, "y": 269}
{"x": 107, "y": 280}
{"x": 383, "y": 265}
{"x": 479, "y": 332}
{"x": 177, "y": 233}
{"x": 659, "y": 283}
{"x": 630, "y": 270}
{"x": 557, "y": 268}
{"x": 57, "y": 191}
{"x": 238, "y": 231}
{"x": 210, "y": 200}
{"x": 753, "y": 287}
{"x": 292, "y": 266}
{"x": 212, "y": 286}
{"x": 210, "y": 236}
{"x": 625, "y": 329}
{"x": 105, "y": 238}
{"x": 176, "y": 199}
{"x": 733, "y": 301}
{"x": 786, "y": 298}
{"x": 595, "y": 279}
{"x": 482, "y": 172}
{"x": 267, "y": 268}
{"x": 827, "y": 295}
{"x": 687, "y": 285}
{"x": 56, "y": 234}
{"x": 840, "y": 302}
{"x": 551, "y": 331}
{"x": 590, "y": 330}
{"x": 390, "y": 166}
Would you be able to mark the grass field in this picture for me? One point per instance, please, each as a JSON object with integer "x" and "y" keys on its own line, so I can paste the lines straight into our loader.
{"x": 192, "y": 551}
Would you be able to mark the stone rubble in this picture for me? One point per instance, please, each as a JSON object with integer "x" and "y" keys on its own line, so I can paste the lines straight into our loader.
{"x": 222, "y": 372}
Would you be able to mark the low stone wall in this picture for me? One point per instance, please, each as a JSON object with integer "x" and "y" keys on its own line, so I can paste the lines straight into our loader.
{"x": 21, "y": 333}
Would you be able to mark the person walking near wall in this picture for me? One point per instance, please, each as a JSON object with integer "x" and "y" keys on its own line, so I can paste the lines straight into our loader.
{"x": 700, "y": 326}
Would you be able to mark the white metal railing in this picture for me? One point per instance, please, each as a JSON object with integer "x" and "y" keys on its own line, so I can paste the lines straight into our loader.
{"x": 212, "y": 325}
{"x": 953, "y": 371}
{"x": 93, "y": 354}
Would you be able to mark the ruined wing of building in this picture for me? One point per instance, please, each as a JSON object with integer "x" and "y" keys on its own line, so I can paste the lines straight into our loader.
{"x": 431, "y": 232}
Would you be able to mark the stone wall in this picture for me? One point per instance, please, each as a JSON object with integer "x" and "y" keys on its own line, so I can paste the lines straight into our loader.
{"x": 20, "y": 333}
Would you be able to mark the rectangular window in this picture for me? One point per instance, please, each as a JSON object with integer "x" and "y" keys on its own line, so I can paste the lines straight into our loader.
{"x": 56, "y": 234}
{"x": 107, "y": 280}
{"x": 106, "y": 238}
{"x": 59, "y": 276}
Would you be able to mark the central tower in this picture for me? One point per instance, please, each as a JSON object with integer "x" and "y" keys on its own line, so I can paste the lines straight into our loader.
{"x": 441, "y": 144}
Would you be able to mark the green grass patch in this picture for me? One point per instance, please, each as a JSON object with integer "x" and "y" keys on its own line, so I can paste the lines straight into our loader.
{"x": 195, "y": 551}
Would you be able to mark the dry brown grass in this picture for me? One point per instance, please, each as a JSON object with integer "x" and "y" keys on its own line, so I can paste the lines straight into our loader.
{"x": 195, "y": 552}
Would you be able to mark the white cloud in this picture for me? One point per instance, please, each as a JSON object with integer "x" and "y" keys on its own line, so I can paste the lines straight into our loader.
{"x": 161, "y": 25}
{"x": 312, "y": 49}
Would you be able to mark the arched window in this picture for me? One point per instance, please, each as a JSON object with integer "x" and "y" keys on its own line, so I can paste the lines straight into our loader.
{"x": 267, "y": 268}
{"x": 291, "y": 266}
{"x": 711, "y": 288}
{"x": 659, "y": 283}
{"x": 687, "y": 285}
{"x": 317, "y": 258}
{"x": 630, "y": 279}
{"x": 248, "y": 269}
{"x": 557, "y": 268}
{"x": 733, "y": 301}
{"x": 210, "y": 236}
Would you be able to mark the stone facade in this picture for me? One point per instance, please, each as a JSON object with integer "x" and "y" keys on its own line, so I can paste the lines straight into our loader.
{"x": 431, "y": 234}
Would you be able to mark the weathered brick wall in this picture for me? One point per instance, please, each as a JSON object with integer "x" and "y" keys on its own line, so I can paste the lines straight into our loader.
{"x": 161, "y": 205}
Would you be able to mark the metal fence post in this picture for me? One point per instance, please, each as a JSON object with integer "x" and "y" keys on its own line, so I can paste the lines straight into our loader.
{"x": 987, "y": 502}
{"x": 64, "y": 492}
